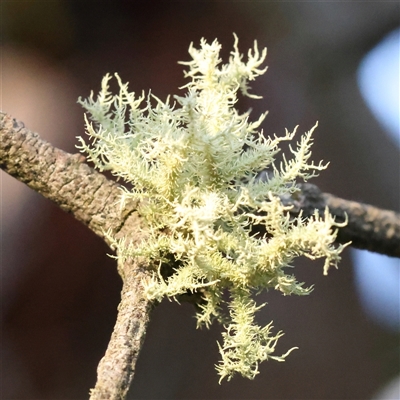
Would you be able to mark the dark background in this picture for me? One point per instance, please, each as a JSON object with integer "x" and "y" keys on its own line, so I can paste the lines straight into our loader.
{"x": 59, "y": 289}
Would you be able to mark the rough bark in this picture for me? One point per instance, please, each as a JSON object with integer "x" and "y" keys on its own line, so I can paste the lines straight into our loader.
{"x": 93, "y": 199}
{"x": 61, "y": 177}
{"x": 116, "y": 369}
{"x": 368, "y": 227}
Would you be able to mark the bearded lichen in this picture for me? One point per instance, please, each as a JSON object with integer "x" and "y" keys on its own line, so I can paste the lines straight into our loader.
{"x": 194, "y": 165}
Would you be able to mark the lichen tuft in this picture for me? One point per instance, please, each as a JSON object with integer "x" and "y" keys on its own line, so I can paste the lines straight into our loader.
{"x": 194, "y": 164}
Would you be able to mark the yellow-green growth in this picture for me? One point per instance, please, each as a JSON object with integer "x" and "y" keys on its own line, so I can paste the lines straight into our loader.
{"x": 194, "y": 162}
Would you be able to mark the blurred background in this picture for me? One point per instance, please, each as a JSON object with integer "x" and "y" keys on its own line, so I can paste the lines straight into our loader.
{"x": 335, "y": 62}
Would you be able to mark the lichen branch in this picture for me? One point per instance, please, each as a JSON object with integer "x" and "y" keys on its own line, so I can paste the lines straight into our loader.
{"x": 197, "y": 163}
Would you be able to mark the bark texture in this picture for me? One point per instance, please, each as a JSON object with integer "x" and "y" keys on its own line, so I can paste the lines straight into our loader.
{"x": 368, "y": 227}
{"x": 116, "y": 369}
{"x": 93, "y": 199}
{"x": 61, "y": 177}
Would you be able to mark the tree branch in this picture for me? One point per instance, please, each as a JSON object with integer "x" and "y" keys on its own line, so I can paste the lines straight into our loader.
{"x": 116, "y": 369}
{"x": 93, "y": 199}
{"x": 368, "y": 227}
{"x": 61, "y": 177}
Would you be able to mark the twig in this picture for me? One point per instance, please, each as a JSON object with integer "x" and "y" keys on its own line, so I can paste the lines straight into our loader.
{"x": 368, "y": 227}
{"x": 93, "y": 199}
{"x": 116, "y": 369}
{"x": 59, "y": 176}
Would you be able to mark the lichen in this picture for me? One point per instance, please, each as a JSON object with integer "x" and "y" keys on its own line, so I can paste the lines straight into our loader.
{"x": 194, "y": 163}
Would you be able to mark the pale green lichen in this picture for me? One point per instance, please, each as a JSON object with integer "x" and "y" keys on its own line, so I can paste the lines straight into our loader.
{"x": 194, "y": 165}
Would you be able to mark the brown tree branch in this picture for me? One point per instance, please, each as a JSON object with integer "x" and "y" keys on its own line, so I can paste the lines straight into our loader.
{"x": 116, "y": 369}
{"x": 61, "y": 177}
{"x": 368, "y": 227}
{"x": 93, "y": 199}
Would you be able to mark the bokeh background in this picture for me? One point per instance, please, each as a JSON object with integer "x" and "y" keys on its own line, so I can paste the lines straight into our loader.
{"x": 60, "y": 291}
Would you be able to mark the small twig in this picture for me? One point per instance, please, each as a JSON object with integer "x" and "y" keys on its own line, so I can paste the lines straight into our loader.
{"x": 368, "y": 227}
{"x": 93, "y": 199}
{"x": 116, "y": 369}
{"x": 59, "y": 176}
